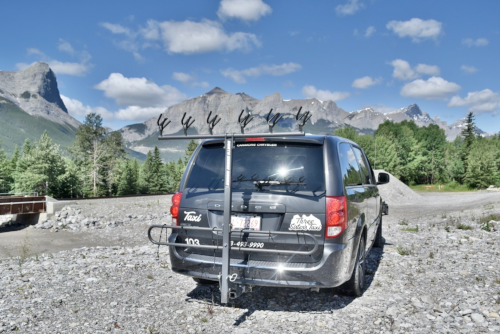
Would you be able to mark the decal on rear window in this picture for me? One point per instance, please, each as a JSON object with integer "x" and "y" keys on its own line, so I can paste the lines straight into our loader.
{"x": 305, "y": 223}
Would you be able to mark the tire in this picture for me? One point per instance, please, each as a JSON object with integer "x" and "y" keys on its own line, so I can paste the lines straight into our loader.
{"x": 355, "y": 285}
{"x": 202, "y": 281}
{"x": 379, "y": 240}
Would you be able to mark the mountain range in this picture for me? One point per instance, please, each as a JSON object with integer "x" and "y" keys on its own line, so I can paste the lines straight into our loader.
{"x": 30, "y": 103}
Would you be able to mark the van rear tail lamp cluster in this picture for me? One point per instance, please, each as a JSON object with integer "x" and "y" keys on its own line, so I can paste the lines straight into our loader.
{"x": 336, "y": 216}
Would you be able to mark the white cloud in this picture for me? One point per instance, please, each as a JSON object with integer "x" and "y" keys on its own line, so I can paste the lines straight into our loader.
{"x": 434, "y": 88}
{"x": 311, "y": 92}
{"x": 432, "y": 70}
{"x": 59, "y": 67}
{"x": 131, "y": 113}
{"x": 136, "y": 114}
{"x": 404, "y": 71}
{"x": 65, "y": 46}
{"x": 350, "y": 8}
{"x": 235, "y": 75}
{"x": 182, "y": 77}
{"x": 139, "y": 92}
{"x": 370, "y": 31}
{"x": 35, "y": 52}
{"x": 77, "y": 109}
{"x": 479, "y": 102}
{"x": 75, "y": 69}
{"x": 189, "y": 37}
{"x": 239, "y": 76}
{"x": 475, "y": 42}
{"x": 365, "y": 82}
{"x": 468, "y": 69}
{"x": 246, "y": 10}
{"x": 117, "y": 29}
{"x": 151, "y": 31}
{"x": 182, "y": 37}
{"x": 189, "y": 79}
{"x": 417, "y": 29}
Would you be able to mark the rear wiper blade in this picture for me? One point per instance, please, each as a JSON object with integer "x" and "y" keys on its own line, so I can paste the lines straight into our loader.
{"x": 261, "y": 183}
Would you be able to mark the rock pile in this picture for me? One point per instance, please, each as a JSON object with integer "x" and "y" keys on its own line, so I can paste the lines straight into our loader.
{"x": 396, "y": 192}
{"x": 73, "y": 219}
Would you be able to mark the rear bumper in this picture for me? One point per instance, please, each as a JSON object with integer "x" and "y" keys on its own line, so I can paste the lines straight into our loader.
{"x": 331, "y": 271}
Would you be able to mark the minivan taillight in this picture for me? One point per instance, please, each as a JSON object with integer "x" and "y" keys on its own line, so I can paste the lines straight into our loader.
{"x": 174, "y": 209}
{"x": 336, "y": 216}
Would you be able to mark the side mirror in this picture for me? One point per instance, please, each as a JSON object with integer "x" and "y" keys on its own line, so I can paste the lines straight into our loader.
{"x": 382, "y": 178}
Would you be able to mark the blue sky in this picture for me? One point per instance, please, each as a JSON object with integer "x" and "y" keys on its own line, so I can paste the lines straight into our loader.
{"x": 130, "y": 60}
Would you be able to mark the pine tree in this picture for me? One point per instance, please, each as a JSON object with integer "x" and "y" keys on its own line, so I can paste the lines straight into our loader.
{"x": 146, "y": 175}
{"x": 5, "y": 172}
{"x": 128, "y": 179}
{"x": 189, "y": 151}
{"x": 40, "y": 167}
{"x": 469, "y": 132}
{"x": 98, "y": 155}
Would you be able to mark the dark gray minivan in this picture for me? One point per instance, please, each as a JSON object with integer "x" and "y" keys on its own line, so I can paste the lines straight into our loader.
{"x": 305, "y": 212}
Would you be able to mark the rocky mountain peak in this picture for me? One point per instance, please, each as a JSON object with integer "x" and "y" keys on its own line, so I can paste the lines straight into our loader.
{"x": 216, "y": 91}
{"x": 45, "y": 82}
{"x": 38, "y": 80}
{"x": 34, "y": 90}
{"x": 413, "y": 111}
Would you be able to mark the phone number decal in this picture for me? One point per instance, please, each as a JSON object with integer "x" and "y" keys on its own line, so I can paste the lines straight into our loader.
{"x": 246, "y": 244}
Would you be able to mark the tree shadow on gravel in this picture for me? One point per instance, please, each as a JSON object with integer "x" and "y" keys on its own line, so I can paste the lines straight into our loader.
{"x": 286, "y": 299}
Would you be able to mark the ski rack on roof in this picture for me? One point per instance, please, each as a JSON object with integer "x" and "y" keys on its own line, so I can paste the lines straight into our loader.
{"x": 301, "y": 118}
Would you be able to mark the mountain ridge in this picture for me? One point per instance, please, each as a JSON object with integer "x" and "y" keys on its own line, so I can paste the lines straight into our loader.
{"x": 32, "y": 95}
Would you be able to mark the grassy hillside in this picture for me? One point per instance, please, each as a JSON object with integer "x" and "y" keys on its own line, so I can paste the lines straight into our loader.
{"x": 16, "y": 126}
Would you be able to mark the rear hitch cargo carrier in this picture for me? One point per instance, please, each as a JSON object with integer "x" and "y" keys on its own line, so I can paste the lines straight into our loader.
{"x": 234, "y": 289}
{"x": 219, "y": 232}
{"x": 226, "y": 282}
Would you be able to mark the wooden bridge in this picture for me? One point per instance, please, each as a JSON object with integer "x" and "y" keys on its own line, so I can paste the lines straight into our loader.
{"x": 14, "y": 204}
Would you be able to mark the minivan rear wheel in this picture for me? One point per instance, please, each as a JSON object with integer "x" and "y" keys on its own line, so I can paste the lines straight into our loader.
{"x": 379, "y": 241}
{"x": 355, "y": 285}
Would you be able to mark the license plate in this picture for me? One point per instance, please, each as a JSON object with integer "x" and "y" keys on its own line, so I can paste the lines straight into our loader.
{"x": 245, "y": 223}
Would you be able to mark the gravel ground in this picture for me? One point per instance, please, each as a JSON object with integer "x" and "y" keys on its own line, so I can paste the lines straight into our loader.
{"x": 439, "y": 272}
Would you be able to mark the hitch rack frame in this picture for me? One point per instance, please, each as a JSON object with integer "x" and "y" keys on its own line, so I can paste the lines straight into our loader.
{"x": 219, "y": 232}
{"x": 272, "y": 120}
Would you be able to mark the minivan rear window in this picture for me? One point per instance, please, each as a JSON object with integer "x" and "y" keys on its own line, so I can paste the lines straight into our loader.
{"x": 261, "y": 166}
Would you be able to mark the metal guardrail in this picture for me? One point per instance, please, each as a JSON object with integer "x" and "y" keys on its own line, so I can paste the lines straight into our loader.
{"x": 32, "y": 193}
{"x": 14, "y": 205}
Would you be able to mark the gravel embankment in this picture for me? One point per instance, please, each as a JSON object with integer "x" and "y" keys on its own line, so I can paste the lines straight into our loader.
{"x": 443, "y": 277}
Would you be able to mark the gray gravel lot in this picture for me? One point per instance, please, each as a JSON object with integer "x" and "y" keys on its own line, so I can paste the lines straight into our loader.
{"x": 439, "y": 272}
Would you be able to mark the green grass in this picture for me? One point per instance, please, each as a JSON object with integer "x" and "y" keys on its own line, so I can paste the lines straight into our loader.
{"x": 403, "y": 222}
{"x": 446, "y": 187}
{"x": 403, "y": 251}
{"x": 490, "y": 217}
{"x": 464, "y": 227}
{"x": 410, "y": 229}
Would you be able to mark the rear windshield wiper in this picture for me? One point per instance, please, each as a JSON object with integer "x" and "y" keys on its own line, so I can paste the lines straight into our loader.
{"x": 266, "y": 183}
